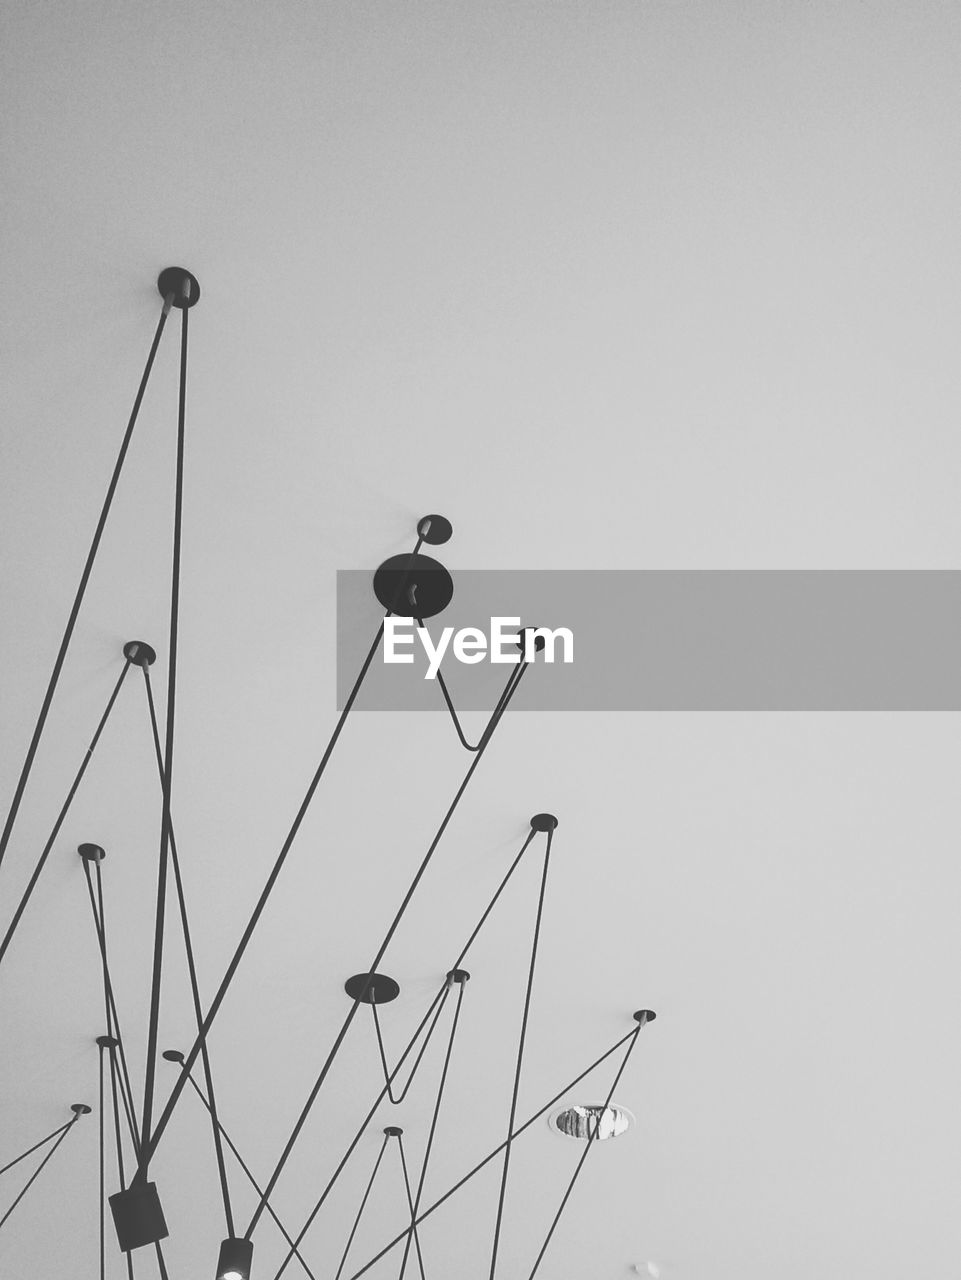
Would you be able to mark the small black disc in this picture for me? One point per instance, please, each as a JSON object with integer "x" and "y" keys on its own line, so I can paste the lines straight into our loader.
{"x": 381, "y": 989}
{"x": 544, "y": 822}
{"x": 172, "y": 280}
{"x": 107, "y": 1042}
{"x": 413, "y": 586}
{"x": 645, "y": 1015}
{"x": 539, "y": 641}
{"x": 140, "y": 653}
{"x": 91, "y": 852}
{"x": 172, "y": 1055}
{"x": 80, "y": 1108}
{"x": 434, "y": 529}
{"x": 393, "y": 1131}
{"x": 459, "y": 976}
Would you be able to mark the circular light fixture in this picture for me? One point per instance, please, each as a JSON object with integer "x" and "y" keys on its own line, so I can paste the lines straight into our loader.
{"x": 581, "y": 1120}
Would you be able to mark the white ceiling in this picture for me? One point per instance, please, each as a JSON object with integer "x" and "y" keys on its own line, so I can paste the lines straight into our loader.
{"x": 612, "y": 286}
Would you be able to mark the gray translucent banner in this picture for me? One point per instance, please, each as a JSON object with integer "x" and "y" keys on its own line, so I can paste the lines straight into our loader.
{"x": 700, "y": 640}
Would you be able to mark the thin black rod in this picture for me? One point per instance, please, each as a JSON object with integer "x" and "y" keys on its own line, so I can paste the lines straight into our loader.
{"x": 192, "y": 970}
{"x": 32, "y": 883}
{"x": 420, "y": 1057}
{"x": 450, "y": 705}
{"x": 150, "y": 1069}
{"x": 490, "y": 1156}
{"x": 175, "y": 1094}
{"x": 441, "y": 994}
{"x": 36, "y": 1146}
{"x": 586, "y": 1152}
{"x": 514, "y": 681}
{"x": 433, "y": 1124}
{"x": 250, "y": 1178}
{"x": 113, "y": 1021}
{"x": 363, "y": 1127}
{"x": 161, "y": 1264}
{"x": 39, "y": 1169}
{"x": 410, "y": 1206}
{"x": 192, "y": 1055}
{"x": 117, "y": 1130}
{"x": 520, "y": 1058}
{"x": 103, "y": 1249}
{"x": 363, "y": 1205}
{"x": 81, "y": 589}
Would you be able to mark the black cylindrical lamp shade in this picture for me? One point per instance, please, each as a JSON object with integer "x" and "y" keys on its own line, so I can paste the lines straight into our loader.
{"x": 236, "y": 1256}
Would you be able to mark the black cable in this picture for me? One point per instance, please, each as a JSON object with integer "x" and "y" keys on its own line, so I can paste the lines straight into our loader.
{"x": 433, "y": 1126}
{"x": 490, "y": 1156}
{"x": 363, "y": 1204}
{"x": 114, "y": 1073}
{"x": 39, "y": 1169}
{"x": 410, "y": 1205}
{"x": 168, "y": 761}
{"x": 81, "y": 589}
{"x": 192, "y": 970}
{"x": 520, "y": 1058}
{"x": 113, "y": 1020}
{"x": 590, "y": 1142}
{"x": 31, "y": 884}
{"x": 250, "y": 1177}
{"x": 103, "y": 1250}
{"x": 513, "y": 683}
{"x": 192, "y": 1055}
{"x": 450, "y": 705}
{"x": 403, "y": 1058}
{"x": 420, "y": 1057}
{"x": 36, "y": 1146}
{"x": 363, "y": 1128}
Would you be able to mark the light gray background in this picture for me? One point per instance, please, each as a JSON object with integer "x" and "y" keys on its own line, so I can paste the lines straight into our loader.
{"x": 620, "y": 286}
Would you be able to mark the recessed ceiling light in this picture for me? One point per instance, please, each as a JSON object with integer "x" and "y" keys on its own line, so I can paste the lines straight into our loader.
{"x": 581, "y": 1120}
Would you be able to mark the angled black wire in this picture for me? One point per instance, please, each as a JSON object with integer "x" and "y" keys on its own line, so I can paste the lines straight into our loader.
{"x": 113, "y": 1020}
{"x": 450, "y": 706}
{"x": 161, "y": 1264}
{"x": 81, "y": 589}
{"x": 420, "y": 1057}
{"x": 513, "y": 682}
{"x": 114, "y": 1074}
{"x": 363, "y": 1128}
{"x": 433, "y": 1129}
{"x": 32, "y": 883}
{"x": 103, "y": 1242}
{"x": 36, "y": 1146}
{"x": 410, "y": 1206}
{"x": 150, "y": 1069}
{"x": 363, "y": 1205}
{"x": 250, "y": 1177}
{"x": 192, "y": 970}
{"x": 490, "y": 1156}
{"x": 261, "y": 903}
{"x": 520, "y": 1057}
{"x": 39, "y": 1169}
{"x": 590, "y": 1142}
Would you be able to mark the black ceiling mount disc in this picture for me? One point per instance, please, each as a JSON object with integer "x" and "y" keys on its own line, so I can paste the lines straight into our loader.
{"x": 434, "y": 529}
{"x": 645, "y": 1015}
{"x": 458, "y": 975}
{"x": 172, "y": 1055}
{"x": 172, "y": 280}
{"x": 372, "y": 988}
{"x": 544, "y": 822}
{"x": 80, "y": 1108}
{"x": 140, "y": 653}
{"x": 539, "y": 641}
{"x": 393, "y": 1131}
{"x": 413, "y": 586}
{"x": 107, "y": 1042}
{"x": 91, "y": 852}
